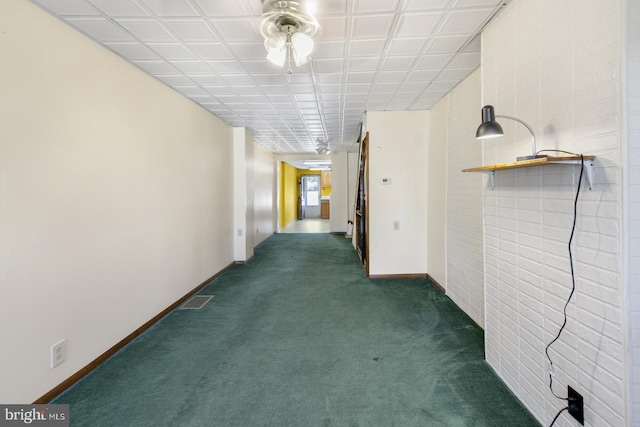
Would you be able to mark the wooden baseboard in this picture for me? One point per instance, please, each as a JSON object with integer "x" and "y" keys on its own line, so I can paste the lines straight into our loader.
{"x": 53, "y": 393}
{"x": 398, "y": 276}
{"x": 436, "y": 284}
{"x": 410, "y": 276}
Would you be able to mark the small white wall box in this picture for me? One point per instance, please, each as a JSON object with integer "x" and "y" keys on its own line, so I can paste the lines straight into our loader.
{"x": 385, "y": 181}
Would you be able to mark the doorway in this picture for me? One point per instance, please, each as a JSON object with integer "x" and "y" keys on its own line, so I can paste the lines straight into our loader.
{"x": 310, "y": 196}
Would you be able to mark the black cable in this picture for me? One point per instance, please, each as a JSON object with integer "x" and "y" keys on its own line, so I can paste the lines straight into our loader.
{"x": 558, "y": 151}
{"x": 573, "y": 281}
{"x": 566, "y": 408}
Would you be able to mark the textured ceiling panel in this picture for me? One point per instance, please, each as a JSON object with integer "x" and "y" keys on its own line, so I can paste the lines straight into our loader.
{"x": 370, "y": 55}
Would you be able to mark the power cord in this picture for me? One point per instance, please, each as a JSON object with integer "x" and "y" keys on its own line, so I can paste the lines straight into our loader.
{"x": 573, "y": 288}
{"x": 566, "y": 408}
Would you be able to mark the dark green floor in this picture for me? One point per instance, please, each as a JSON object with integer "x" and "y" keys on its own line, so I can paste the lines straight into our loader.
{"x": 298, "y": 337}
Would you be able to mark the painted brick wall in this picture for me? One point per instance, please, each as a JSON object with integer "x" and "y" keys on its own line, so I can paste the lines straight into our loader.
{"x": 633, "y": 191}
{"x": 557, "y": 66}
{"x": 464, "y": 200}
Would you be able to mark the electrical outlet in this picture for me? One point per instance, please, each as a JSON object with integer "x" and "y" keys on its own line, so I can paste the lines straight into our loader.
{"x": 396, "y": 225}
{"x": 576, "y": 405}
{"x": 58, "y": 353}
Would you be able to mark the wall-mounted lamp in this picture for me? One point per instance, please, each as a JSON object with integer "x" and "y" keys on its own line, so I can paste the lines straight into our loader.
{"x": 492, "y": 129}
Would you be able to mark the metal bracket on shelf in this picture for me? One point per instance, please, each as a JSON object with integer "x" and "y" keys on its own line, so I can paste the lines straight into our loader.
{"x": 492, "y": 177}
{"x": 588, "y": 167}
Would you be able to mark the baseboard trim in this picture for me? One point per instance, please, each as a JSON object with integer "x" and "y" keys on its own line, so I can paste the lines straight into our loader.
{"x": 56, "y": 391}
{"x": 398, "y": 276}
{"x": 411, "y": 276}
{"x": 436, "y": 284}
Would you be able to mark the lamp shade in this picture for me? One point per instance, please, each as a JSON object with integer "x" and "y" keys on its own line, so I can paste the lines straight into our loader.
{"x": 302, "y": 44}
{"x": 489, "y": 128}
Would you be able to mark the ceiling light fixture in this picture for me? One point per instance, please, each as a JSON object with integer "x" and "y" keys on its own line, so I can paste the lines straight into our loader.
{"x": 492, "y": 129}
{"x": 288, "y": 29}
{"x": 322, "y": 147}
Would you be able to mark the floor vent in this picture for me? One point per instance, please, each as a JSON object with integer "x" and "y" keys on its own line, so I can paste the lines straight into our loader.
{"x": 196, "y": 302}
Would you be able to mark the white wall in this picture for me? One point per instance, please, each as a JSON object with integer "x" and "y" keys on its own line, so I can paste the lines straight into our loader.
{"x": 352, "y": 184}
{"x": 339, "y": 192}
{"x": 557, "y": 66}
{"x": 114, "y": 199}
{"x": 465, "y": 254}
{"x": 243, "y": 193}
{"x": 437, "y": 192}
{"x": 265, "y": 197}
{"x": 632, "y": 223}
{"x": 398, "y": 144}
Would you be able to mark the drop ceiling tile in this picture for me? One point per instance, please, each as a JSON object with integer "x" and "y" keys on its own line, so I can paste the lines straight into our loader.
{"x": 174, "y": 79}
{"x": 262, "y": 66}
{"x": 217, "y": 8}
{"x": 391, "y": 76}
{"x": 119, "y": 7}
{"x": 443, "y": 85}
{"x": 423, "y": 75}
{"x": 328, "y": 78}
{"x": 238, "y": 30}
{"x": 431, "y": 62}
{"x": 414, "y": 87}
{"x": 224, "y": 66}
{"x": 367, "y": 47}
{"x": 100, "y": 29}
{"x": 402, "y": 47}
{"x": 371, "y": 26}
{"x": 191, "y": 90}
{"x": 207, "y": 80}
{"x": 67, "y": 7}
{"x": 190, "y": 30}
{"x": 331, "y": 7}
{"x": 446, "y": 44}
{"x": 132, "y": 51}
{"x": 209, "y": 51}
{"x": 328, "y": 49}
{"x": 375, "y": 6}
{"x": 191, "y": 67}
{"x": 333, "y": 28}
{"x": 418, "y": 24}
{"x": 414, "y": 5}
{"x": 236, "y": 79}
{"x": 156, "y": 67}
{"x": 146, "y": 30}
{"x": 328, "y": 65}
{"x": 477, "y": 3}
{"x": 171, "y": 51}
{"x": 268, "y": 79}
{"x": 364, "y": 64}
{"x": 331, "y": 88}
{"x": 398, "y": 63}
{"x": 248, "y": 50}
{"x": 456, "y": 73}
{"x": 362, "y": 77}
{"x": 170, "y": 8}
{"x": 464, "y": 22}
{"x": 383, "y": 87}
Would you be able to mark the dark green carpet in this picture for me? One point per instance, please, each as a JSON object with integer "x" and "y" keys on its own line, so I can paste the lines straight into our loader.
{"x": 298, "y": 337}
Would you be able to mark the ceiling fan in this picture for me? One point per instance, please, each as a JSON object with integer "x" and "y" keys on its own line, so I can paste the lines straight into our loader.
{"x": 288, "y": 27}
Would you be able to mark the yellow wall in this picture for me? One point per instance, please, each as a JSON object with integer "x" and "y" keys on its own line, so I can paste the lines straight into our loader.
{"x": 288, "y": 194}
{"x": 289, "y": 191}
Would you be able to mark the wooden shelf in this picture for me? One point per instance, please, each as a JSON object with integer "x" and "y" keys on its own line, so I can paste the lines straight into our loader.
{"x": 564, "y": 160}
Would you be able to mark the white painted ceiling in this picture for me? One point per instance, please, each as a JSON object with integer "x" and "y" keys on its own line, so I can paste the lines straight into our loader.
{"x": 371, "y": 55}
